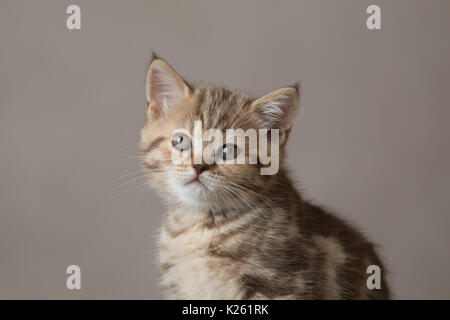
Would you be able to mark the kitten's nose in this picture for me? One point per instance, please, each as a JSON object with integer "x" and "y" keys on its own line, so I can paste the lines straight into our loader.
{"x": 199, "y": 168}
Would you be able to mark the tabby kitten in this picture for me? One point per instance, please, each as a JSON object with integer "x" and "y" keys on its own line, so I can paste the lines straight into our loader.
{"x": 230, "y": 232}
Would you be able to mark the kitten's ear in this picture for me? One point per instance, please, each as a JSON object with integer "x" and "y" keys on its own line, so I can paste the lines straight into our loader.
{"x": 164, "y": 88}
{"x": 277, "y": 109}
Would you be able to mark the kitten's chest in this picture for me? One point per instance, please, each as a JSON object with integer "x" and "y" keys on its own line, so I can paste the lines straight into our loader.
{"x": 191, "y": 272}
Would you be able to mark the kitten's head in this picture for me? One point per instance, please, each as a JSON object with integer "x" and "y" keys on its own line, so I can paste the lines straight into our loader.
{"x": 174, "y": 108}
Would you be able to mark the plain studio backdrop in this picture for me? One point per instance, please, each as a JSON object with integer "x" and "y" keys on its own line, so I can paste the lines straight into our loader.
{"x": 371, "y": 141}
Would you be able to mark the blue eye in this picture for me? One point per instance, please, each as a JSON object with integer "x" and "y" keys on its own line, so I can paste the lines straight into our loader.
{"x": 229, "y": 151}
{"x": 181, "y": 141}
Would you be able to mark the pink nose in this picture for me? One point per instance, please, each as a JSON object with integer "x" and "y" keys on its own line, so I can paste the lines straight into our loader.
{"x": 199, "y": 168}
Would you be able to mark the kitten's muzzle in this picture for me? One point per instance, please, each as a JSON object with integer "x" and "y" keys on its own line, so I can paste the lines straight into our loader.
{"x": 199, "y": 168}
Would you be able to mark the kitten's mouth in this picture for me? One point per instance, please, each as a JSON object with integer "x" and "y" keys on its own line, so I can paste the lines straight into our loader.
{"x": 195, "y": 181}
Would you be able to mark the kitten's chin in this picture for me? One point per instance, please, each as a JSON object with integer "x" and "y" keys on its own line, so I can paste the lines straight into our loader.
{"x": 194, "y": 200}
{"x": 193, "y": 194}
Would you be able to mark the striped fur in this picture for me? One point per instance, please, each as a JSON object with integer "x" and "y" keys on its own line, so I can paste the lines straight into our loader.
{"x": 248, "y": 236}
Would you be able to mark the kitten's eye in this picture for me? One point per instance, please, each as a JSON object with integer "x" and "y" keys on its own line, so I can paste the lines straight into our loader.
{"x": 181, "y": 141}
{"x": 229, "y": 151}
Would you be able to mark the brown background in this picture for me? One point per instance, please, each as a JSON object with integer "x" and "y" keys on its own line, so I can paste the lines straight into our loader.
{"x": 371, "y": 141}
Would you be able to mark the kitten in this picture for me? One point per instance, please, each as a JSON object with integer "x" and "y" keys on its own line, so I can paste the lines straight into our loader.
{"x": 231, "y": 232}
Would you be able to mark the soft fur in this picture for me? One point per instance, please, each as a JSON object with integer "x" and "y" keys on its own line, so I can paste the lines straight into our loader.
{"x": 243, "y": 235}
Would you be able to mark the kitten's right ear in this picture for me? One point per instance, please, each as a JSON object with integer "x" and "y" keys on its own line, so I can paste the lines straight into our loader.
{"x": 164, "y": 88}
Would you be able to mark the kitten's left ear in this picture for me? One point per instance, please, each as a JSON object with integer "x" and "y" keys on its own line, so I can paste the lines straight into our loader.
{"x": 164, "y": 88}
{"x": 277, "y": 109}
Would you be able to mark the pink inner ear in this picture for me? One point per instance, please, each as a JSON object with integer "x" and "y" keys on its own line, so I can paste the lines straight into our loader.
{"x": 156, "y": 111}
